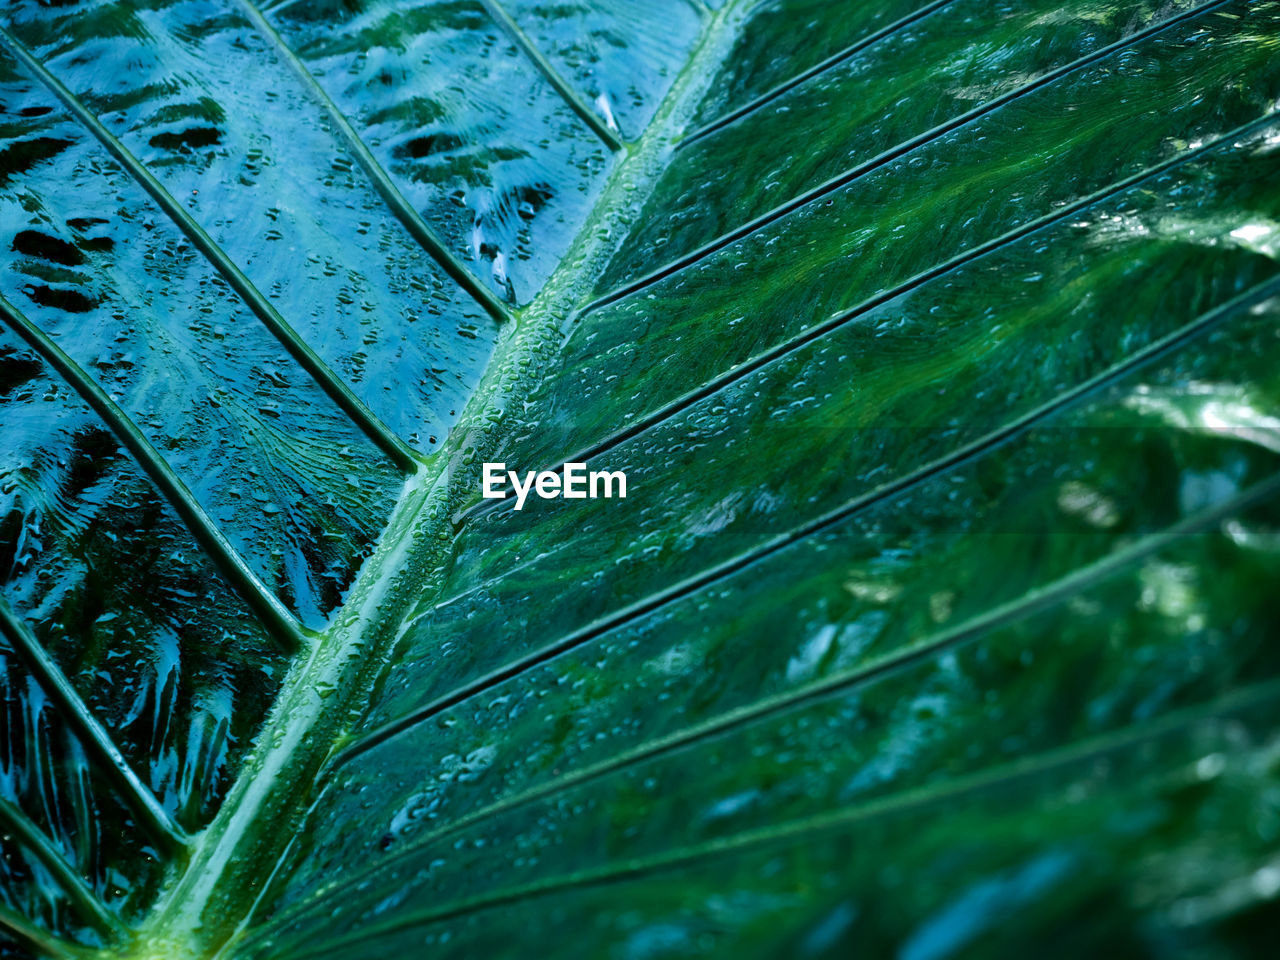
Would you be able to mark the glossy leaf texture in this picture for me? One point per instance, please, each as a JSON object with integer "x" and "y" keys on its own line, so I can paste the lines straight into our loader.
{"x": 937, "y": 342}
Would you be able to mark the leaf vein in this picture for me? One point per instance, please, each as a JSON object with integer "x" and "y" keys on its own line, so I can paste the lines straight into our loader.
{"x": 324, "y": 376}
{"x": 409, "y": 218}
{"x": 784, "y": 349}
{"x": 97, "y": 742}
{"x": 277, "y": 620}
{"x": 545, "y": 67}
{"x": 789, "y": 832}
{"x": 34, "y": 839}
{"x": 888, "y": 156}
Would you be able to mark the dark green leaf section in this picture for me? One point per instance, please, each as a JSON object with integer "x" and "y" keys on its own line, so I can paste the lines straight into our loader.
{"x": 1187, "y": 85}
{"x": 985, "y": 532}
{"x": 950, "y": 366}
{"x": 477, "y": 140}
{"x": 196, "y": 94}
{"x": 933, "y": 568}
{"x": 896, "y": 580}
{"x": 958, "y": 59}
{"x": 121, "y": 597}
{"x": 1061, "y": 589}
{"x": 94, "y": 263}
{"x": 620, "y": 56}
{"x": 785, "y": 39}
{"x": 1145, "y": 845}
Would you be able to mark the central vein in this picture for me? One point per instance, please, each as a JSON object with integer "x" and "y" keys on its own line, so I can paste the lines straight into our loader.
{"x": 235, "y": 861}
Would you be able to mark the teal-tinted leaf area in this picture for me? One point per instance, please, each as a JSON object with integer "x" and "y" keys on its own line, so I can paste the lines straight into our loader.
{"x": 122, "y": 596}
{"x": 294, "y": 484}
{"x": 621, "y": 56}
{"x": 936, "y": 340}
{"x": 131, "y": 612}
{"x": 233, "y": 134}
{"x": 478, "y": 141}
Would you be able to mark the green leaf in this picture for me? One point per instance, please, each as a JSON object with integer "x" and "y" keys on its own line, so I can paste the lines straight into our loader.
{"x": 936, "y": 341}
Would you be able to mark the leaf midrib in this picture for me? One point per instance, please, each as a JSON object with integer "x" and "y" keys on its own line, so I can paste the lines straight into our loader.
{"x": 305, "y": 726}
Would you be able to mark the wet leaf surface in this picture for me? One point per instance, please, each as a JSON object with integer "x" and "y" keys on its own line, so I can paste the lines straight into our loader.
{"x": 936, "y": 340}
